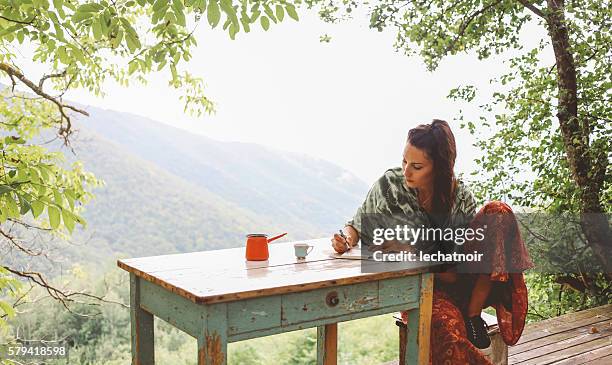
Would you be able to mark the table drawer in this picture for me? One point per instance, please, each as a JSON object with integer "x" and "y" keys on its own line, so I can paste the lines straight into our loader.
{"x": 253, "y": 314}
{"x": 399, "y": 290}
{"x": 328, "y": 302}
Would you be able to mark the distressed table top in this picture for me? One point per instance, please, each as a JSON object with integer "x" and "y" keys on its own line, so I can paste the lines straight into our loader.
{"x": 225, "y": 275}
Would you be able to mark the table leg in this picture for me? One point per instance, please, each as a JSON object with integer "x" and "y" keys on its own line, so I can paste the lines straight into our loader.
{"x": 212, "y": 344}
{"x": 327, "y": 344}
{"x": 403, "y": 332}
{"x": 143, "y": 352}
{"x": 419, "y": 326}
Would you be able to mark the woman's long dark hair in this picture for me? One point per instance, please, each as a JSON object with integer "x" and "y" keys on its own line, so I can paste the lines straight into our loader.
{"x": 438, "y": 141}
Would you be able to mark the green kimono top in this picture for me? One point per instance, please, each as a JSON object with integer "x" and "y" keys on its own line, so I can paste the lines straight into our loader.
{"x": 390, "y": 197}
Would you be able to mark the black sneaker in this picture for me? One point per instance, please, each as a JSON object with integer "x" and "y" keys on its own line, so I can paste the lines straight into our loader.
{"x": 477, "y": 332}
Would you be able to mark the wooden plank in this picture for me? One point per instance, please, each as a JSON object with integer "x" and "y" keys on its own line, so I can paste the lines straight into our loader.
{"x": 602, "y": 361}
{"x": 226, "y": 259}
{"x": 566, "y": 338}
{"x": 425, "y": 307}
{"x": 563, "y": 323}
{"x": 320, "y": 322}
{"x": 143, "y": 349}
{"x": 254, "y": 314}
{"x": 172, "y": 308}
{"x": 602, "y": 355}
{"x": 209, "y": 288}
{"x": 419, "y": 325}
{"x": 565, "y": 353}
{"x": 217, "y": 283}
{"x": 498, "y": 350}
{"x": 327, "y": 344}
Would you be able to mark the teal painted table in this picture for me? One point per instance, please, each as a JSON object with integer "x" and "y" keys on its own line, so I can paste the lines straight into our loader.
{"x": 218, "y": 297}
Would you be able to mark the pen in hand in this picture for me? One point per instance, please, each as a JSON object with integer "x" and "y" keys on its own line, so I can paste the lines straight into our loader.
{"x": 348, "y": 245}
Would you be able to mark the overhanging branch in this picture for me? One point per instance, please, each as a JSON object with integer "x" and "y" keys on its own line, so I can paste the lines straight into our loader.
{"x": 58, "y": 294}
{"x": 533, "y": 9}
{"x": 64, "y": 131}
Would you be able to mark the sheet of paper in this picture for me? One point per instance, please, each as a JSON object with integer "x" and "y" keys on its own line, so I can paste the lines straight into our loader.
{"x": 352, "y": 254}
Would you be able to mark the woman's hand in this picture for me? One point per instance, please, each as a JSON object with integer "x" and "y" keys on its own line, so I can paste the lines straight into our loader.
{"x": 342, "y": 245}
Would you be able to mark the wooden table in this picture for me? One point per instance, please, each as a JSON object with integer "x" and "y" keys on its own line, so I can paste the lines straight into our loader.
{"x": 218, "y": 297}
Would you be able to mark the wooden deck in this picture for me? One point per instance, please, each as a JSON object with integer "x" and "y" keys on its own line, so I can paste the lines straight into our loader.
{"x": 583, "y": 337}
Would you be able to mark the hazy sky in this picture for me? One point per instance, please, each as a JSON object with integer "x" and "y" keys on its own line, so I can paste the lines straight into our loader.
{"x": 351, "y": 101}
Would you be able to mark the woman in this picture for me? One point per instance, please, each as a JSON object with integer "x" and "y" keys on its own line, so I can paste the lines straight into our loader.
{"x": 426, "y": 190}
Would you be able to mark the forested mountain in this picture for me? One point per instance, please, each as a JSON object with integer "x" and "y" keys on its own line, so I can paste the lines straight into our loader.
{"x": 168, "y": 190}
{"x": 287, "y": 187}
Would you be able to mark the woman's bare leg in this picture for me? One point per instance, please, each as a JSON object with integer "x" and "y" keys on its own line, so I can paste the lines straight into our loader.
{"x": 480, "y": 293}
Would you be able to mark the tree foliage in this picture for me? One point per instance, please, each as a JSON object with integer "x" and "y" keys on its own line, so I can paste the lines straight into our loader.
{"x": 83, "y": 44}
{"x": 546, "y": 131}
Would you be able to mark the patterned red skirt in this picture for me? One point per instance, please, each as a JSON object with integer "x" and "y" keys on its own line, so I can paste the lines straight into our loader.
{"x": 509, "y": 258}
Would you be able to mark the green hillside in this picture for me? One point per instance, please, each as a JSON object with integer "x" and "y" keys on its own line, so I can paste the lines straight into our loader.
{"x": 143, "y": 210}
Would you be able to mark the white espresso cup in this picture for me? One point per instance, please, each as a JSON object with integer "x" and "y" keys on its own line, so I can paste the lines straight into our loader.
{"x": 302, "y": 250}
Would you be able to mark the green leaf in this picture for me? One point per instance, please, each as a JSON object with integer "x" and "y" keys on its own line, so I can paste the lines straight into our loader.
{"x": 227, "y": 23}
{"x": 160, "y": 4}
{"x": 68, "y": 220}
{"x": 116, "y": 41}
{"x": 255, "y": 15}
{"x": 58, "y": 198}
{"x": 79, "y": 16}
{"x": 5, "y": 189}
{"x": 244, "y": 19}
{"x": 90, "y": 8}
{"x": 37, "y": 208}
{"x": 78, "y": 54}
{"x": 7, "y": 309}
{"x": 291, "y": 12}
{"x": 213, "y": 15}
{"x": 59, "y": 4}
{"x": 232, "y": 31}
{"x": 269, "y": 12}
{"x": 265, "y": 22}
{"x": 226, "y": 6}
{"x": 177, "y": 6}
{"x": 24, "y": 204}
{"x": 54, "y": 216}
{"x": 280, "y": 12}
{"x": 131, "y": 37}
{"x": 96, "y": 28}
{"x": 11, "y": 206}
{"x": 59, "y": 33}
{"x": 132, "y": 67}
{"x": 3, "y": 215}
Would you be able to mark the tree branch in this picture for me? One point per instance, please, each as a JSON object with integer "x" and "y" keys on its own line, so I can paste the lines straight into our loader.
{"x": 58, "y": 294}
{"x": 45, "y": 77}
{"x": 63, "y": 131}
{"x": 533, "y": 9}
{"x": 28, "y": 22}
{"x": 18, "y": 245}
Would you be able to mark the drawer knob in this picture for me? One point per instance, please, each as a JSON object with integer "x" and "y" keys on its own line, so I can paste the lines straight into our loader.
{"x": 332, "y": 299}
